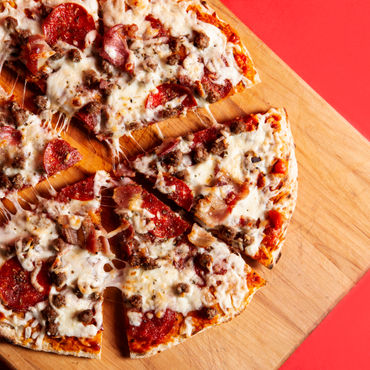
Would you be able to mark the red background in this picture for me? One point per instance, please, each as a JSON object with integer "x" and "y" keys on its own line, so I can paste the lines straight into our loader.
{"x": 327, "y": 42}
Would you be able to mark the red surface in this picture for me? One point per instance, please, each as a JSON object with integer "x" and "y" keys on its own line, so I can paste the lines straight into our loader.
{"x": 327, "y": 43}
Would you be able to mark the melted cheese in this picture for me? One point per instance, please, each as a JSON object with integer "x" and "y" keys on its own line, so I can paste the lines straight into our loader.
{"x": 63, "y": 84}
{"x": 157, "y": 286}
{"x": 265, "y": 142}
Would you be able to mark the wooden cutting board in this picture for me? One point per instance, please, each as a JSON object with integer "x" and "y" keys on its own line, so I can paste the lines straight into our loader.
{"x": 327, "y": 248}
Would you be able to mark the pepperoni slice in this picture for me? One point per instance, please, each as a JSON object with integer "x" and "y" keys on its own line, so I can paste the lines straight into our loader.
{"x": 182, "y": 196}
{"x": 59, "y": 155}
{"x": 168, "y": 92}
{"x": 36, "y": 52}
{"x": 115, "y": 49}
{"x": 154, "y": 330}
{"x": 10, "y": 135}
{"x": 167, "y": 223}
{"x": 206, "y": 136}
{"x": 82, "y": 190}
{"x": 167, "y": 146}
{"x": 16, "y": 291}
{"x": 91, "y": 120}
{"x": 70, "y": 23}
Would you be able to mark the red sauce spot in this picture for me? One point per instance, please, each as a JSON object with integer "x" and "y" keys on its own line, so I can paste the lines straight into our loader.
{"x": 279, "y": 166}
{"x": 276, "y": 219}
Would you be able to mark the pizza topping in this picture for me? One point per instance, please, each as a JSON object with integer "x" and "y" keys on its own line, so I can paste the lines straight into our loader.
{"x": 59, "y": 155}
{"x": 136, "y": 301}
{"x": 18, "y": 114}
{"x": 10, "y": 23}
{"x": 279, "y": 167}
{"x": 41, "y": 102}
{"x": 74, "y": 55}
{"x": 209, "y": 313}
{"x": 36, "y": 52}
{"x": 167, "y": 223}
{"x": 153, "y": 330}
{"x": 9, "y": 136}
{"x": 58, "y": 278}
{"x": 90, "y": 79}
{"x": 182, "y": 288}
{"x": 85, "y": 316}
{"x": 82, "y": 190}
{"x": 115, "y": 49}
{"x": 177, "y": 190}
{"x": 219, "y": 147}
{"x": 205, "y": 260}
{"x": 16, "y": 290}
{"x": 49, "y": 314}
{"x": 168, "y": 92}
{"x": 59, "y": 300}
{"x": 157, "y": 26}
{"x": 201, "y": 40}
{"x": 70, "y": 23}
{"x": 200, "y": 154}
{"x": 276, "y": 219}
{"x": 172, "y": 158}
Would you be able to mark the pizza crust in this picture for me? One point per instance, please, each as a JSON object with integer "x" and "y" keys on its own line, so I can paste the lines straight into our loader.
{"x": 182, "y": 338}
{"x": 9, "y": 334}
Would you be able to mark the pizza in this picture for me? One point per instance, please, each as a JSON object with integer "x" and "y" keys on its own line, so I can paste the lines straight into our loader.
{"x": 52, "y": 274}
{"x": 179, "y": 280}
{"x": 172, "y": 228}
{"x": 30, "y": 149}
{"x": 239, "y": 179}
{"x": 119, "y": 65}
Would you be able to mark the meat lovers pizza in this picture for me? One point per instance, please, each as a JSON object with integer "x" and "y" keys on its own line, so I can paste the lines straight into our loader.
{"x": 173, "y": 228}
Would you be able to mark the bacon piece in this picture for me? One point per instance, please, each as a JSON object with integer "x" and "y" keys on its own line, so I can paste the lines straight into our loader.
{"x": 70, "y": 23}
{"x": 59, "y": 155}
{"x": 115, "y": 49}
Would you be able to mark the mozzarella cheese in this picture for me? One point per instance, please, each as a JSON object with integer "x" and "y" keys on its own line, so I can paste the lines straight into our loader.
{"x": 265, "y": 144}
{"x": 157, "y": 286}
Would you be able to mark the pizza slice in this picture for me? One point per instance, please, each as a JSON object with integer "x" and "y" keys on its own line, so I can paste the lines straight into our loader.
{"x": 147, "y": 61}
{"x": 238, "y": 178}
{"x": 29, "y": 149}
{"x": 179, "y": 279}
{"x": 52, "y": 275}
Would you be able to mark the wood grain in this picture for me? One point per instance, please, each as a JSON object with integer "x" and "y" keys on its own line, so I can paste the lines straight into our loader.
{"x": 327, "y": 248}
